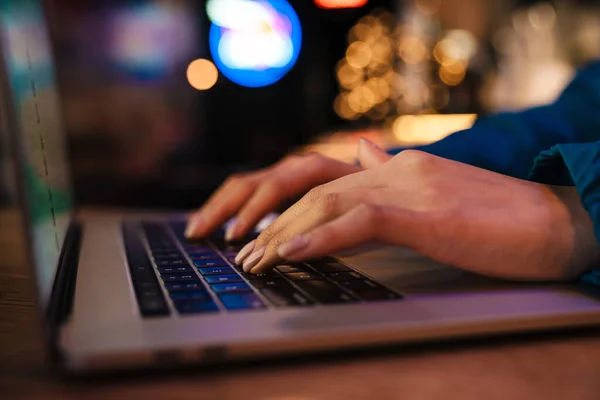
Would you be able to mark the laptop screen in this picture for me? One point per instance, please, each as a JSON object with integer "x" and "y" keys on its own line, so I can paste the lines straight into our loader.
{"x": 29, "y": 66}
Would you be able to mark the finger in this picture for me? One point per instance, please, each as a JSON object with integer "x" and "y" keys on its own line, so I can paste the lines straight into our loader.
{"x": 359, "y": 226}
{"x": 316, "y": 212}
{"x": 292, "y": 176}
{"x": 265, "y": 199}
{"x": 221, "y": 206}
{"x": 370, "y": 155}
{"x": 307, "y": 201}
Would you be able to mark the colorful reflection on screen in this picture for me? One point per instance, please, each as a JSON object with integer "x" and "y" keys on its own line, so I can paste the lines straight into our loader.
{"x": 28, "y": 61}
{"x": 254, "y": 43}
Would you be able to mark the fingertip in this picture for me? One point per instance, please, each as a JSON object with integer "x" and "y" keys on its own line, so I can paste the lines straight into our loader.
{"x": 232, "y": 232}
{"x": 193, "y": 227}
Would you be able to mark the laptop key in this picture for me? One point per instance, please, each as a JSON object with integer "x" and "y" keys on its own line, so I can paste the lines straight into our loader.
{"x": 269, "y": 282}
{"x": 344, "y": 276}
{"x": 282, "y": 296}
{"x": 325, "y": 292}
{"x": 183, "y": 286}
{"x": 216, "y": 270}
{"x": 163, "y": 250}
{"x": 142, "y": 273}
{"x": 210, "y": 263}
{"x": 330, "y": 267}
{"x": 286, "y": 269}
{"x": 241, "y": 301}
{"x": 150, "y": 299}
{"x": 190, "y": 295}
{"x": 360, "y": 285}
{"x": 204, "y": 256}
{"x": 167, "y": 256}
{"x": 195, "y": 306}
{"x": 264, "y": 275}
{"x": 173, "y": 270}
{"x": 152, "y": 305}
{"x": 224, "y": 278}
{"x": 171, "y": 262}
{"x": 230, "y": 287}
{"x": 180, "y": 277}
{"x": 304, "y": 276}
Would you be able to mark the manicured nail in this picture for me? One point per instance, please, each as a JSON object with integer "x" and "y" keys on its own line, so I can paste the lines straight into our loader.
{"x": 231, "y": 231}
{"x": 297, "y": 243}
{"x": 253, "y": 259}
{"x": 192, "y": 226}
{"x": 244, "y": 252}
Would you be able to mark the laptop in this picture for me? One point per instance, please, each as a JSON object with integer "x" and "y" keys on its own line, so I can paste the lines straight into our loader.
{"x": 128, "y": 291}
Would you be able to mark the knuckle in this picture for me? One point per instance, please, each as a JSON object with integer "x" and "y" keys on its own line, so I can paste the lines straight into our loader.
{"x": 416, "y": 159}
{"x": 237, "y": 179}
{"x": 313, "y": 194}
{"x": 290, "y": 160}
{"x": 315, "y": 160}
{"x": 368, "y": 212}
{"x": 328, "y": 203}
{"x": 265, "y": 236}
{"x": 271, "y": 187}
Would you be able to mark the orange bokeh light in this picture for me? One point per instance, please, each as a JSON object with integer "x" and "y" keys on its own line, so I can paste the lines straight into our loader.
{"x": 340, "y": 3}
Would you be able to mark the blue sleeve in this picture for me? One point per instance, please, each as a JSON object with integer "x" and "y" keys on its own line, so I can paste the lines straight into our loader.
{"x": 575, "y": 164}
{"x": 508, "y": 143}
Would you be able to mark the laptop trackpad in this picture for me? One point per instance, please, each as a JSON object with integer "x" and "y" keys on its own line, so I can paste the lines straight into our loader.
{"x": 411, "y": 273}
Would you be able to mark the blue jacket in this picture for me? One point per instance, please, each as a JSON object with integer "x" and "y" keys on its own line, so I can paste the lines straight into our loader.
{"x": 556, "y": 144}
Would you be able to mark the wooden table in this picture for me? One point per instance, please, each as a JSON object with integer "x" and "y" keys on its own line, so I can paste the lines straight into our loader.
{"x": 565, "y": 366}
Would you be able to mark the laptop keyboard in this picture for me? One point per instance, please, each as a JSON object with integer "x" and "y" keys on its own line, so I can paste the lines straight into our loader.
{"x": 170, "y": 273}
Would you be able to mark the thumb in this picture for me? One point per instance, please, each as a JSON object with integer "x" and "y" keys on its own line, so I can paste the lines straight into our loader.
{"x": 370, "y": 155}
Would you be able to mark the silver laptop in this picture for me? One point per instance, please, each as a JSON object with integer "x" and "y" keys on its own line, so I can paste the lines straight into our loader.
{"x": 128, "y": 291}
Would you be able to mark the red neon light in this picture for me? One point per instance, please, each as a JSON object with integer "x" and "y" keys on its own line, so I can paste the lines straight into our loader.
{"x": 340, "y": 3}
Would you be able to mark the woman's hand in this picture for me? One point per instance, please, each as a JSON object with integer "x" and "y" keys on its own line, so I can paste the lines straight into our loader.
{"x": 252, "y": 196}
{"x": 448, "y": 211}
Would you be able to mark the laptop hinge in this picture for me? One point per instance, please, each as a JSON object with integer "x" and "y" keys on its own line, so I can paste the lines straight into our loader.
{"x": 63, "y": 290}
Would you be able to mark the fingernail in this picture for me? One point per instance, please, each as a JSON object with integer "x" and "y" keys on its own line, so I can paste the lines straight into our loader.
{"x": 244, "y": 252}
{"x": 253, "y": 259}
{"x": 367, "y": 141}
{"x": 192, "y": 226}
{"x": 230, "y": 232}
{"x": 297, "y": 243}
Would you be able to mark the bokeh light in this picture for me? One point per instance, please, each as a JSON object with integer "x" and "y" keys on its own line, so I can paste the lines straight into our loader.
{"x": 429, "y": 128}
{"x": 412, "y": 50}
{"x": 254, "y": 44}
{"x": 358, "y": 54}
{"x": 340, "y": 3}
{"x": 148, "y": 40}
{"x": 202, "y": 74}
{"x": 366, "y": 74}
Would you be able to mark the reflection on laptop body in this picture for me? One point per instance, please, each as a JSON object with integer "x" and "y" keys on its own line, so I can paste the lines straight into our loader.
{"x": 128, "y": 291}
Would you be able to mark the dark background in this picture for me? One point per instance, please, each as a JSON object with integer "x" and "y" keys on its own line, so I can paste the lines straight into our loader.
{"x": 142, "y": 136}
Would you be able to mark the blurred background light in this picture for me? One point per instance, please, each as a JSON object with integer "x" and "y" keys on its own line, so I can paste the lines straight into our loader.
{"x": 202, "y": 74}
{"x": 254, "y": 43}
{"x": 149, "y": 39}
{"x": 419, "y": 129}
{"x": 340, "y": 3}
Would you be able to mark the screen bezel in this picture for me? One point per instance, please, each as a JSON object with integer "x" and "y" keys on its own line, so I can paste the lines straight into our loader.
{"x": 9, "y": 114}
